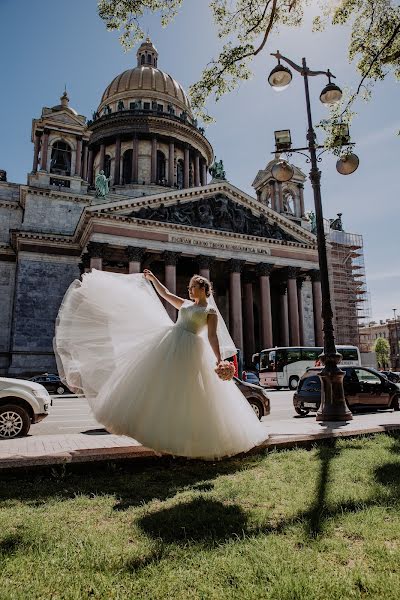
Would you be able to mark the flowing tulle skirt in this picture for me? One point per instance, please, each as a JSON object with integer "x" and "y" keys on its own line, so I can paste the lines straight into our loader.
{"x": 145, "y": 376}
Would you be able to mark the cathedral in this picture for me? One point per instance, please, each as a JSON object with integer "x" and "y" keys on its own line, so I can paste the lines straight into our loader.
{"x": 169, "y": 207}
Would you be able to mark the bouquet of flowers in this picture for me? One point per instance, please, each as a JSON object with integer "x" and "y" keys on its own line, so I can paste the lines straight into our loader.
{"x": 225, "y": 370}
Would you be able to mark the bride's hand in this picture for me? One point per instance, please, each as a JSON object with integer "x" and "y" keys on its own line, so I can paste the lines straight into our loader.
{"x": 149, "y": 275}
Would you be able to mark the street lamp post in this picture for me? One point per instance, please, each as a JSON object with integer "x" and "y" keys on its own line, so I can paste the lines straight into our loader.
{"x": 333, "y": 405}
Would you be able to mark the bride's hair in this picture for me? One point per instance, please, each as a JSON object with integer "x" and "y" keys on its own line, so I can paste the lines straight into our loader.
{"x": 203, "y": 283}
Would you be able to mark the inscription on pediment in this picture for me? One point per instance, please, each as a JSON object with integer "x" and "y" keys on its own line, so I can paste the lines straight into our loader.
{"x": 218, "y": 212}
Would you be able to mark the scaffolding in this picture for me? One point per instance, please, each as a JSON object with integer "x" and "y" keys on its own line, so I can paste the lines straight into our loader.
{"x": 352, "y": 307}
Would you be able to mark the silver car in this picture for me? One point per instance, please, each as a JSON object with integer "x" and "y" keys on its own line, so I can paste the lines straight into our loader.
{"x": 22, "y": 403}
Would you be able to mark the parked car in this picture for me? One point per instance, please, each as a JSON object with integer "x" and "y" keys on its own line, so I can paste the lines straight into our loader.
{"x": 363, "y": 388}
{"x": 250, "y": 377}
{"x": 52, "y": 383}
{"x": 256, "y": 396}
{"x": 392, "y": 376}
{"x": 22, "y": 403}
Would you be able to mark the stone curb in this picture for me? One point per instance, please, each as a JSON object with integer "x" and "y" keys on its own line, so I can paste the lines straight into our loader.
{"x": 92, "y": 455}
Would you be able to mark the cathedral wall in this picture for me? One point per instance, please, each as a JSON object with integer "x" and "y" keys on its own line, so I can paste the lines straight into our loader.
{"x": 52, "y": 215}
{"x": 41, "y": 283}
{"x": 10, "y": 218}
{"x": 7, "y": 280}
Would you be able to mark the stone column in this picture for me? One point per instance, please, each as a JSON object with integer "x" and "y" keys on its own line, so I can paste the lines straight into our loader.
{"x": 235, "y": 302}
{"x": 272, "y": 185}
{"x": 135, "y": 159}
{"x": 96, "y": 252}
{"x": 301, "y": 194}
{"x": 294, "y": 328}
{"x": 186, "y": 166}
{"x": 36, "y": 149}
{"x": 280, "y": 198}
{"x": 317, "y": 307}
{"x": 153, "y": 175}
{"x": 264, "y": 271}
{"x": 284, "y": 319}
{"x": 135, "y": 256}
{"x": 203, "y": 172}
{"x": 102, "y": 157}
{"x": 205, "y": 264}
{"x": 44, "y": 150}
{"x": 300, "y": 282}
{"x": 171, "y": 159}
{"x": 78, "y": 156}
{"x": 248, "y": 318}
{"x": 170, "y": 259}
{"x": 84, "y": 161}
{"x": 117, "y": 165}
{"x": 90, "y": 165}
{"x": 196, "y": 169}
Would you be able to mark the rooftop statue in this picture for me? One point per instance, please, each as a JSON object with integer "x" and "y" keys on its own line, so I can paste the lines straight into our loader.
{"x": 102, "y": 185}
{"x": 217, "y": 170}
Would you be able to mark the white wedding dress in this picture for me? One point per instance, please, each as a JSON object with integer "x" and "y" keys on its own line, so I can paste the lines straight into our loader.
{"x": 147, "y": 377}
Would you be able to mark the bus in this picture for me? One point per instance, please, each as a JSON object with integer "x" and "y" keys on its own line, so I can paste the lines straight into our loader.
{"x": 283, "y": 366}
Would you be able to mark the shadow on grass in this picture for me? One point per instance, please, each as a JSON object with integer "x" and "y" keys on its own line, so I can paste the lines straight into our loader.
{"x": 200, "y": 520}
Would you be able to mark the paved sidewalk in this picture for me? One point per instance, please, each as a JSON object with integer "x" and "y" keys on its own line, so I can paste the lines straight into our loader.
{"x": 97, "y": 445}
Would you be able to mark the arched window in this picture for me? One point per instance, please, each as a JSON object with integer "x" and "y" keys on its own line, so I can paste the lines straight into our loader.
{"x": 142, "y": 59}
{"x": 61, "y": 159}
{"x": 127, "y": 167}
{"x": 149, "y": 59}
{"x": 107, "y": 165}
{"x": 179, "y": 174}
{"x": 160, "y": 167}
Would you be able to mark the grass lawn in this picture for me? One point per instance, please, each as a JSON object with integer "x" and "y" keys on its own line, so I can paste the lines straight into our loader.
{"x": 321, "y": 524}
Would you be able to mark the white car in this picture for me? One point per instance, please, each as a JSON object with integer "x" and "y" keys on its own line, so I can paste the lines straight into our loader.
{"x": 21, "y": 403}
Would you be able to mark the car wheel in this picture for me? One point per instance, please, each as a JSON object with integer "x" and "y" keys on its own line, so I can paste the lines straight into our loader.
{"x": 293, "y": 383}
{"x": 395, "y": 403}
{"x": 60, "y": 390}
{"x": 14, "y": 421}
{"x": 257, "y": 407}
{"x": 303, "y": 412}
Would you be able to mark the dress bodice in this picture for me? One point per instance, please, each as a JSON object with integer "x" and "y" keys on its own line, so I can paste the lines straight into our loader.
{"x": 193, "y": 317}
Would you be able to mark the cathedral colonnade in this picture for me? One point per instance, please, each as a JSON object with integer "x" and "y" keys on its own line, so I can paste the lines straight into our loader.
{"x": 262, "y": 303}
{"x": 135, "y": 159}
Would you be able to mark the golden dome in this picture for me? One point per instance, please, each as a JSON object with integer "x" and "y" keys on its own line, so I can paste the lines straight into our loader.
{"x": 146, "y": 81}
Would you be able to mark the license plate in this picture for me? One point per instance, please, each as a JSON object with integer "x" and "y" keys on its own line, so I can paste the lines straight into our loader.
{"x": 309, "y": 405}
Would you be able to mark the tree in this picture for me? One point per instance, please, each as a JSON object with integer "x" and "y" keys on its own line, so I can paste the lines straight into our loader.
{"x": 247, "y": 25}
{"x": 382, "y": 352}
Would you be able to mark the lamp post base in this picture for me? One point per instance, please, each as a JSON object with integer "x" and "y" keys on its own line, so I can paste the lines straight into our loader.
{"x": 333, "y": 404}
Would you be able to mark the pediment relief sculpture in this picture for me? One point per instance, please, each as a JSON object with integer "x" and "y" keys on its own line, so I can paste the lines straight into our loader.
{"x": 217, "y": 212}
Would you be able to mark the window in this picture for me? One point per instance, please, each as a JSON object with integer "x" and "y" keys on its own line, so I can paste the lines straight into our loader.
{"x": 160, "y": 167}
{"x": 146, "y": 105}
{"x": 148, "y": 59}
{"x": 160, "y": 108}
{"x": 142, "y": 59}
{"x": 311, "y": 354}
{"x": 349, "y": 353}
{"x": 367, "y": 377}
{"x": 60, "y": 159}
{"x": 127, "y": 167}
{"x": 107, "y": 165}
{"x": 267, "y": 360}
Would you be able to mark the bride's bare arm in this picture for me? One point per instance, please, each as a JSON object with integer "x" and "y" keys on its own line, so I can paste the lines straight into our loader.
{"x": 212, "y": 322}
{"x": 164, "y": 292}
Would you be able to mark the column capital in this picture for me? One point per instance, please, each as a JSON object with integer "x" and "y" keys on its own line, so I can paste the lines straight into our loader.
{"x": 46, "y": 131}
{"x": 38, "y": 133}
{"x": 264, "y": 269}
{"x": 235, "y": 265}
{"x": 134, "y": 253}
{"x": 170, "y": 258}
{"x": 293, "y": 272}
{"x": 204, "y": 261}
{"x": 96, "y": 249}
{"x": 315, "y": 275}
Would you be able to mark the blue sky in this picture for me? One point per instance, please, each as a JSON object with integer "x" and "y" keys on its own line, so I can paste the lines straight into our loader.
{"x": 48, "y": 43}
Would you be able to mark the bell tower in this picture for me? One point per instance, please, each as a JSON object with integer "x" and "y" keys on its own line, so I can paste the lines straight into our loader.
{"x": 285, "y": 198}
{"x": 147, "y": 55}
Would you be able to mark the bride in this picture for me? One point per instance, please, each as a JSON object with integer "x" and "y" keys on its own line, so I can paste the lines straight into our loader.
{"x": 147, "y": 377}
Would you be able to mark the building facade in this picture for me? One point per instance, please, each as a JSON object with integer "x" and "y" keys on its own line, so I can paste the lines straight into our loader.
{"x": 162, "y": 212}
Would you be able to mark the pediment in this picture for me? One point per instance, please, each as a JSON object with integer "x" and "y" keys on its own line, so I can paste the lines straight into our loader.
{"x": 65, "y": 117}
{"x": 217, "y": 207}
